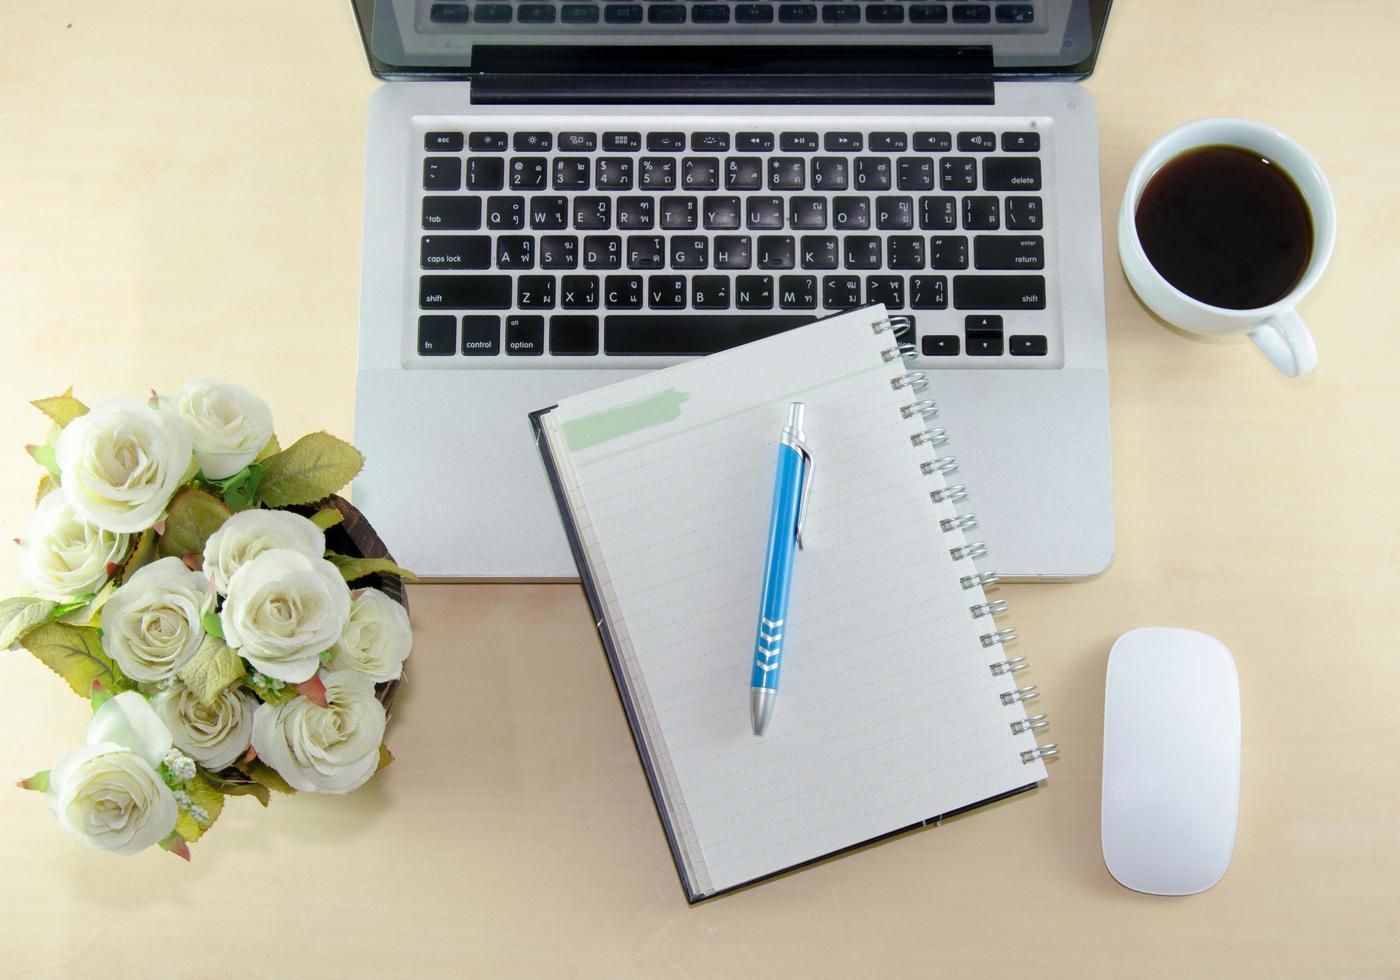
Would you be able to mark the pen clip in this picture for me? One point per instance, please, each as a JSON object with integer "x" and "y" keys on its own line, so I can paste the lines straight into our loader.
{"x": 808, "y": 471}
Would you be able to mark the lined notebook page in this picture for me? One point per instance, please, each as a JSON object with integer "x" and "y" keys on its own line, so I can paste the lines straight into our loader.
{"x": 888, "y": 713}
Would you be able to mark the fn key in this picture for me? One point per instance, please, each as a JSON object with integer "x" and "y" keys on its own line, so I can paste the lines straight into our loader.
{"x": 437, "y": 335}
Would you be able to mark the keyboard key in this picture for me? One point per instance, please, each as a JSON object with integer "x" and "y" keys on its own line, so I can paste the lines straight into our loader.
{"x": 743, "y": 174}
{"x": 602, "y": 252}
{"x": 578, "y": 292}
{"x": 948, "y": 252}
{"x": 493, "y": 13}
{"x": 753, "y": 13}
{"x": 928, "y": 13}
{"x": 1023, "y": 212}
{"x": 549, "y": 213}
{"x": 558, "y": 252}
{"x": 798, "y": 142}
{"x": 515, "y": 252}
{"x": 534, "y": 292}
{"x": 578, "y": 13}
{"x": 666, "y": 293}
{"x": 889, "y": 142}
{"x": 481, "y": 336}
{"x": 999, "y": 292}
{"x": 659, "y": 336}
{"x": 905, "y": 251}
{"x": 621, "y": 142}
{"x": 437, "y": 335}
{"x": 505, "y": 213}
{"x": 928, "y": 293}
{"x": 872, "y": 173}
{"x": 777, "y": 252}
{"x": 733, "y": 252}
{"x": 915, "y": 173}
{"x": 958, "y": 174}
{"x": 720, "y": 213}
{"x": 646, "y": 252}
{"x": 442, "y": 174}
{"x": 486, "y": 173}
{"x": 1011, "y": 173}
{"x": 533, "y": 142}
{"x": 1008, "y": 252}
{"x": 709, "y": 13}
{"x": 764, "y": 212}
{"x": 933, "y": 142}
{"x": 635, "y": 214}
{"x": 709, "y": 292}
{"x": 464, "y": 292}
{"x": 840, "y": 292}
{"x": 458, "y": 213}
{"x": 819, "y": 252}
{"x": 690, "y": 252}
{"x": 524, "y": 334}
{"x": 443, "y": 142}
{"x": 981, "y": 213}
{"x": 976, "y": 142}
{"x": 1020, "y": 143}
{"x": 575, "y": 336}
{"x": 623, "y": 13}
{"x": 753, "y": 292}
{"x": 666, "y": 13}
{"x": 885, "y": 289}
{"x": 787, "y": 173}
{"x": 936, "y": 213}
{"x": 862, "y": 252}
{"x": 797, "y": 13}
{"x": 622, "y": 292}
{"x": 985, "y": 345}
{"x": 529, "y": 173}
{"x": 966, "y": 13}
{"x": 754, "y": 142}
{"x": 657, "y": 173}
{"x": 807, "y": 213}
{"x": 1015, "y": 13}
{"x": 894, "y": 213}
{"x": 884, "y": 13}
{"x": 449, "y": 13}
{"x": 614, "y": 174}
{"x": 455, "y": 252}
{"x": 665, "y": 142}
{"x": 797, "y": 292}
{"x": 678, "y": 213}
{"x": 700, "y": 173}
{"x": 841, "y": 13}
{"x": 941, "y": 345}
{"x": 850, "y": 213}
{"x": 571, "y": 173}
{"x": 487, "y": 142}
{"x": 578, "y": 142}
{"x": 535, "y": 13}
{"x": 830, "y": 174}
{"x": 709, "y": 142}
{"x": 982, "y": 323}
{"x": 592, "y": 213}
{"x": 843, "y": 142}
{"x": 1023, "y": 345}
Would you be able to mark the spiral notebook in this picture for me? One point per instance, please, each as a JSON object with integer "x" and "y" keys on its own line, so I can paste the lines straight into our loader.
{"x": 899, "y": 705}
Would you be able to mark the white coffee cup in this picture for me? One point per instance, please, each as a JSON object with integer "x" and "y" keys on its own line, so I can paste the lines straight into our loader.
{"x": 1277, "y": 330}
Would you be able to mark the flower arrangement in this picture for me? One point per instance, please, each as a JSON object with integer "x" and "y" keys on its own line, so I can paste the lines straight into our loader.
{"x": 178, "y": 576}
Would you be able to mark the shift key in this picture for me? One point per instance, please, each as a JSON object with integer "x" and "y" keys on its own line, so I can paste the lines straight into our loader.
{"x": 999, "y": 292}
{"x": 464, "y": 292}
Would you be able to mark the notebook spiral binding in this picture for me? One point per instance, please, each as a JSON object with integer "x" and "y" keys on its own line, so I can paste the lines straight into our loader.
{"x": 927, "y": 410}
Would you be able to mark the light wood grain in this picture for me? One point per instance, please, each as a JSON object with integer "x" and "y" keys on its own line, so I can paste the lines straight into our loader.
{"x": 182, "y": 197}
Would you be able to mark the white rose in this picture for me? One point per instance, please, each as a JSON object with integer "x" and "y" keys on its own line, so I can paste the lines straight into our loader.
{"x": 151, "y": 625}
{"x": 249, "y": 533}
{"x": 213, "y": 734}
{"x": 121, "y": 462}
{"x": 283, "y": 611}
{"x": 108, "y": 793}
{"x": 324, "y": 750}
{"x": 231, "y": 425}
{"x": 376, "y": 640}
{"x": 63, "y": 555}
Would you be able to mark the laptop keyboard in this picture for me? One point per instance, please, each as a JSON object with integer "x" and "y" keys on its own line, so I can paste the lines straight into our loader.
{"x": 579, "y": 15}
{"x": 606, "y": 246}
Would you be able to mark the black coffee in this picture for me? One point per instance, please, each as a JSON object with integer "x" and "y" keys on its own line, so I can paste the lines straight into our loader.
{"x": 1226, "y": 226}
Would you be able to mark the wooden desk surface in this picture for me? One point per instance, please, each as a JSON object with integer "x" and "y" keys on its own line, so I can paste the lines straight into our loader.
{"x": 181, "y": 197}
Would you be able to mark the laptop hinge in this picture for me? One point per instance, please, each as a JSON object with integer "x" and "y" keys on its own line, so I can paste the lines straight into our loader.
{"x": 681, "y": 89}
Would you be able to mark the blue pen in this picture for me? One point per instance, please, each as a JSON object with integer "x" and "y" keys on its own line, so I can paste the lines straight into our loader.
{"x": 791, "y": 490}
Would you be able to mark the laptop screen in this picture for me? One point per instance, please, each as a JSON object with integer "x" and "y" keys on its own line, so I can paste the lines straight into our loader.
{"x": 996, "y": 38}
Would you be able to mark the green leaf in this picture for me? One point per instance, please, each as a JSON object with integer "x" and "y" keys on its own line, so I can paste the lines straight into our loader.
{"x": 239, "y": 490}
{"x": 272, "y": 448}
{"x": 45, "y": 456}
{"x": 75, "y": 654}
{"x": 203, "y": 793}
{"x": 176, "y": 845}
{"x": 264, "y": 775}
{"x": 214, "y": 666}
{"x": 192, "y": 517}
{"x": 327, "y": 518}
{"x": 20, "y": 615}
{"x": 72, "y": 605}
{"x": 313, "y": 467}
{"x": 38, "y": 782}
{"x": 230, "y": 788}
{"x": 47, "y": 485}
{"x": 212, "y": 624}
{"x": 62, "y": 408}
{"x": 385, "y": 757}
{"x": 356, "y": 568}
{"x": 141, "y": 555}
{"x": 100, "y": 696}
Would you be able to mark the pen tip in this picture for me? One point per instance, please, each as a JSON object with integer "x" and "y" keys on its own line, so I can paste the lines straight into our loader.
{"x": 761, "y": 702}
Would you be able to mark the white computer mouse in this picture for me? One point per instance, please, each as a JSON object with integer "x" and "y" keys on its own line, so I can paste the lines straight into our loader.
{"x": 1171, "y": 761}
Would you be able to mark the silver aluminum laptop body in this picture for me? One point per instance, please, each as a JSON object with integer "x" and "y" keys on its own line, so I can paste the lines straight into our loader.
{"x": 453, "y": 482}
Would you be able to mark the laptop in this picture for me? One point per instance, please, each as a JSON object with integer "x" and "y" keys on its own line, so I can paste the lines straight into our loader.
{"x": 560, "y": 193}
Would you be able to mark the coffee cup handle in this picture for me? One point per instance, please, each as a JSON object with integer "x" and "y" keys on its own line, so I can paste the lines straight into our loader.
{"x": 1286, "y": 341}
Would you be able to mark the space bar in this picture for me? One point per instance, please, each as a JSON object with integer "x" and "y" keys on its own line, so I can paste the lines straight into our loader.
{"x": 689, "y": 333}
